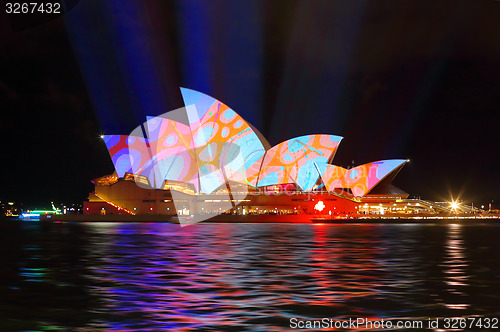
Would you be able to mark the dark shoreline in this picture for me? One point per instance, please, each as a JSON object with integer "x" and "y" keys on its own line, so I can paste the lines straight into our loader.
{"x": 295, "y": 219}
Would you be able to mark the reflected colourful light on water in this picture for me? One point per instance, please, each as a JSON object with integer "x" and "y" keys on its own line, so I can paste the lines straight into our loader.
{"x": 242, "y": 277}
{"x": 455, "y": 269}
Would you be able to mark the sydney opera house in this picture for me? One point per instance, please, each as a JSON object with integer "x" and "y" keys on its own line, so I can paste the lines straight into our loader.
{"x": 205, "y": 159}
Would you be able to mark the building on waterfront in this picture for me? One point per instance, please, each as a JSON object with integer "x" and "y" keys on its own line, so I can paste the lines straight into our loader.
{"x": 214, "y": 162}
{"x": 10, "y": 208}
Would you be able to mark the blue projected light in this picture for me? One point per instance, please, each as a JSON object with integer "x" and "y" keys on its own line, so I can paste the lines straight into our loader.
{"x": 308, "y": 174}
{"x": 270, "y": 179}
{"x": 387, "y": 166}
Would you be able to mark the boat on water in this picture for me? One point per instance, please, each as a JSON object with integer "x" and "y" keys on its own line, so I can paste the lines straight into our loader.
{"x": 37, "y": 214}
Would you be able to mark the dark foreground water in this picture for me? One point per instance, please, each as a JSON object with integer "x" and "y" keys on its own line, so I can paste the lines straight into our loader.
{"x": 242, "y": 277}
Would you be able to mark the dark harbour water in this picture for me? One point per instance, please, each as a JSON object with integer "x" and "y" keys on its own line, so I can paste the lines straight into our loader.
{"x": 241, "y": 277}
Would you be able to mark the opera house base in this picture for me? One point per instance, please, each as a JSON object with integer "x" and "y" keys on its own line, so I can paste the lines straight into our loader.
{"x": 122, "y": 200}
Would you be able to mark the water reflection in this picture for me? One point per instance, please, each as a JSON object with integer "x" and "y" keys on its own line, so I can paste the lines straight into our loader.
{"x": 454, "y": 268}
{"x": 241, "y": 277}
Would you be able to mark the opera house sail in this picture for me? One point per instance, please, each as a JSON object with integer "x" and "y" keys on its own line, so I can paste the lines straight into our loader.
{"x": 210, "y": 160}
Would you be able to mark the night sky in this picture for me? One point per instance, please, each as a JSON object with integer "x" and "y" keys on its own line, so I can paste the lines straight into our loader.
{"x": 397, "y": 79}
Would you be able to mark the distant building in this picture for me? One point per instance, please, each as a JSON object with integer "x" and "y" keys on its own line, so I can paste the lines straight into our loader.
{"x": 10, "y": 208}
